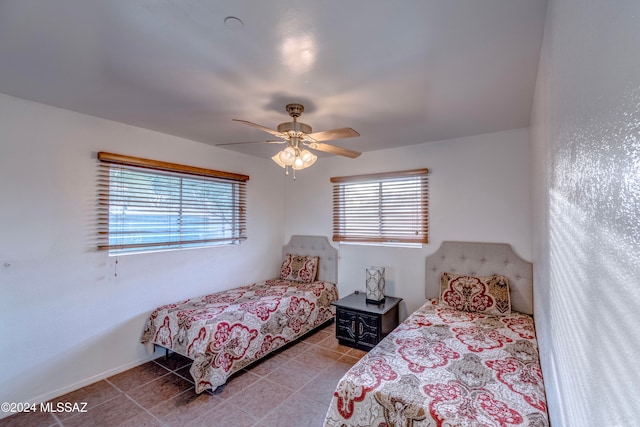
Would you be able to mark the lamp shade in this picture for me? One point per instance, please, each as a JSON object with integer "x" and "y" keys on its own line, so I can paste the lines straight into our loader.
{"x": 375, "y": 285}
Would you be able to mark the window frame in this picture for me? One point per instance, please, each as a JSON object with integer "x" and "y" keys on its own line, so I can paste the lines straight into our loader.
{"x": 176, "y": 178}
{"x": 394, "y": 227}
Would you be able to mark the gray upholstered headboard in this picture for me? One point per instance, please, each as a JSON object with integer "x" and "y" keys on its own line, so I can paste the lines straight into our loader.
{"x": 316, "y": 245}
{"x": 482, "y": 259}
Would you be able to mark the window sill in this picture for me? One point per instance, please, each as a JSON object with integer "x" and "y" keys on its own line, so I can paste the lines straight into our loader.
{"x": 385, "y": 244}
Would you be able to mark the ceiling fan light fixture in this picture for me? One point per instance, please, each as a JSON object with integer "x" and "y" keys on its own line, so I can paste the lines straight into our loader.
{"x": 298, "y": 135}
{"x": 294, "y": 158}
{"x": 308, "y": 158}
{"x": 298, "y": 164}
{"x": 276, "y": 159}
{"x": 287, "y": 156}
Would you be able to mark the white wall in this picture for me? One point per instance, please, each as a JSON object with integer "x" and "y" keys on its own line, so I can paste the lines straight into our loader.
{"x": 68, "y": 314}
{"x": 478, "y": 191}
{"x": 586, "y": 201}
{"x": 71, "y": 315}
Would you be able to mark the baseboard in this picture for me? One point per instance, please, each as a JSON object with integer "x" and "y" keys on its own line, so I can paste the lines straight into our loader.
{"x": 78, "y": 385}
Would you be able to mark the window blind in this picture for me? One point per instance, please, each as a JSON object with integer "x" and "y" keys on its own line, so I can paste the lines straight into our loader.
{"x": 146, "y": 205}
{"x": 385, "y": 208}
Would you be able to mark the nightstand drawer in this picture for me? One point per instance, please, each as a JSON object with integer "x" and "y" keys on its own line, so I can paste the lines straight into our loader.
{"x": 368, "y": 329}
{"x": 346, "y": 325}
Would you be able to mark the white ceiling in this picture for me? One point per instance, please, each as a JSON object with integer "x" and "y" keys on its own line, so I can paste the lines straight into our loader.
{"x": 399, "y": 72}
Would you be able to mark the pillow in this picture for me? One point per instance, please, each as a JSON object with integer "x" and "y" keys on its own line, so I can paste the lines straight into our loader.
{"x": 299, "y": 268}
{"x": 486, "y": 294}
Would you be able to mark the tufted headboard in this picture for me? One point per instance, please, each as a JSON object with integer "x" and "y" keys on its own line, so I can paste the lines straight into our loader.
{"x": 316, "y": 245}
{"x": 482, "y": 259}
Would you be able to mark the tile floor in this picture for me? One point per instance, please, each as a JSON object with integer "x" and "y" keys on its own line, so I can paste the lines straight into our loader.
{"x": 292, "y": 387}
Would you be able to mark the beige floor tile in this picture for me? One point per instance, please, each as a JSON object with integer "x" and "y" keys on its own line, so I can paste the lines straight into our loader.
{"x": 155, "y": 392}
{"x": 294, "y": 386}
{"x": 297, "y": 349}
{"x": 224, "y": 415}
{"x": 331, "y": 343}
{"x": 32, "y": 419}
{"x": 174, "y": 362}
{"x": 317, "y": 336}
{"x": 138, "y": 376}
{"x": 260, "y": 398}
{"x": 322, "y": 386}
{"x": 143, "y": 420}
{"x": 111, "y": 413}
{"x": 293, "y": 374}
{"x": 183, "y": 408}
{"x": 184, "y": 373}
{"x": 345, "y": 363}
{"x": 354, "y": 352}
{"x": 268, "y": 364}
{"x": 238, "y": 383}
{"x": 93, "y": 395}
{"x": 297, "y": 411}
{"x": 318, "y": 357}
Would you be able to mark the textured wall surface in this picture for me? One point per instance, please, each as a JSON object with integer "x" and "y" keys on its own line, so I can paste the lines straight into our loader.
{"x": 586, "y": 218}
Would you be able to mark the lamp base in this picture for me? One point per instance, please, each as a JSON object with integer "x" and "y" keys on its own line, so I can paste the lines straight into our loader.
{"x": 373, "y": 301}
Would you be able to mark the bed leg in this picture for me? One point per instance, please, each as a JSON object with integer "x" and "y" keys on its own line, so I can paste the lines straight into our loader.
{"x": 166, "y": 354}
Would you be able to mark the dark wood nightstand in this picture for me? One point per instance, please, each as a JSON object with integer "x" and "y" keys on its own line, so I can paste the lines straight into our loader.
{"x": 362, "y": 325}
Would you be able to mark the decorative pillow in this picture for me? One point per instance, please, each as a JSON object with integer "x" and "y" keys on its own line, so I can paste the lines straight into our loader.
{"x": 299, "y": 268}
{"x": 486, "y": 295}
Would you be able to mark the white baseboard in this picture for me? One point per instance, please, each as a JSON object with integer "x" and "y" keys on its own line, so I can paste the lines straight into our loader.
{"x": 85, "y": 382}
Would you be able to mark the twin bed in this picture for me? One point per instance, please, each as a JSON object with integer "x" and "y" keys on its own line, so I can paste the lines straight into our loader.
{"x": 467, "y": 357}
{"x": 226, "y": 331}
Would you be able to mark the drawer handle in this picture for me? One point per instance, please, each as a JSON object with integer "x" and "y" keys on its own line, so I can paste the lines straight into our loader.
{"x": 361, "y": 329}
{"x": 353, "y": 325}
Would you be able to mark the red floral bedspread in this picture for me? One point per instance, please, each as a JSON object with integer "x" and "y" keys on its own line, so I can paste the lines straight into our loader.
{"x": 226, "y": 331}
{"x": 443, "y": 367}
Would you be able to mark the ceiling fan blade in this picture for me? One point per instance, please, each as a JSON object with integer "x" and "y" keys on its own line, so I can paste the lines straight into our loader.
{"x": 328, "y": 135}
{"x": 333, "y": 149}
{"x": 253, "y": 142}
{"x": 263, "y": 128}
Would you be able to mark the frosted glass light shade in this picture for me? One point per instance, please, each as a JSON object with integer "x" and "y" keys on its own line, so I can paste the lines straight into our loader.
{"x": 287, "y": 156}
{"x": 276, "y": 159}
{"x": 295, "y": 158}
{"x": 308, "y": 158}
{"x": 298, "y": 164}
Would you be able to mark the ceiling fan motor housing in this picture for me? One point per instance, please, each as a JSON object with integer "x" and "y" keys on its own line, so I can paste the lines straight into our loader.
{"x": 294, "y": 129}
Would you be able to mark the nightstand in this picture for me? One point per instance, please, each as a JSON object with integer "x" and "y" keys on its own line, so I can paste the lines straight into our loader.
{"x": 362, "y": 325}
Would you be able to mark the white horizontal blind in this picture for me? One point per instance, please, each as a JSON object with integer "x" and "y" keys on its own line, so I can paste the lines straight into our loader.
{"x": 143, "y": 208}
{"x": 390, "y": 207}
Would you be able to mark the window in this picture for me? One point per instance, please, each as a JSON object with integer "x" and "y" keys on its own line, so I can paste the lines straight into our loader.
{"x": 381, "y": 208}
{"x": 147, "y": 205}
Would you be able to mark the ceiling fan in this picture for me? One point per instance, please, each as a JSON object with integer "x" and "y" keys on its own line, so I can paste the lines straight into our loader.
{"x": 298, "y": 136}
